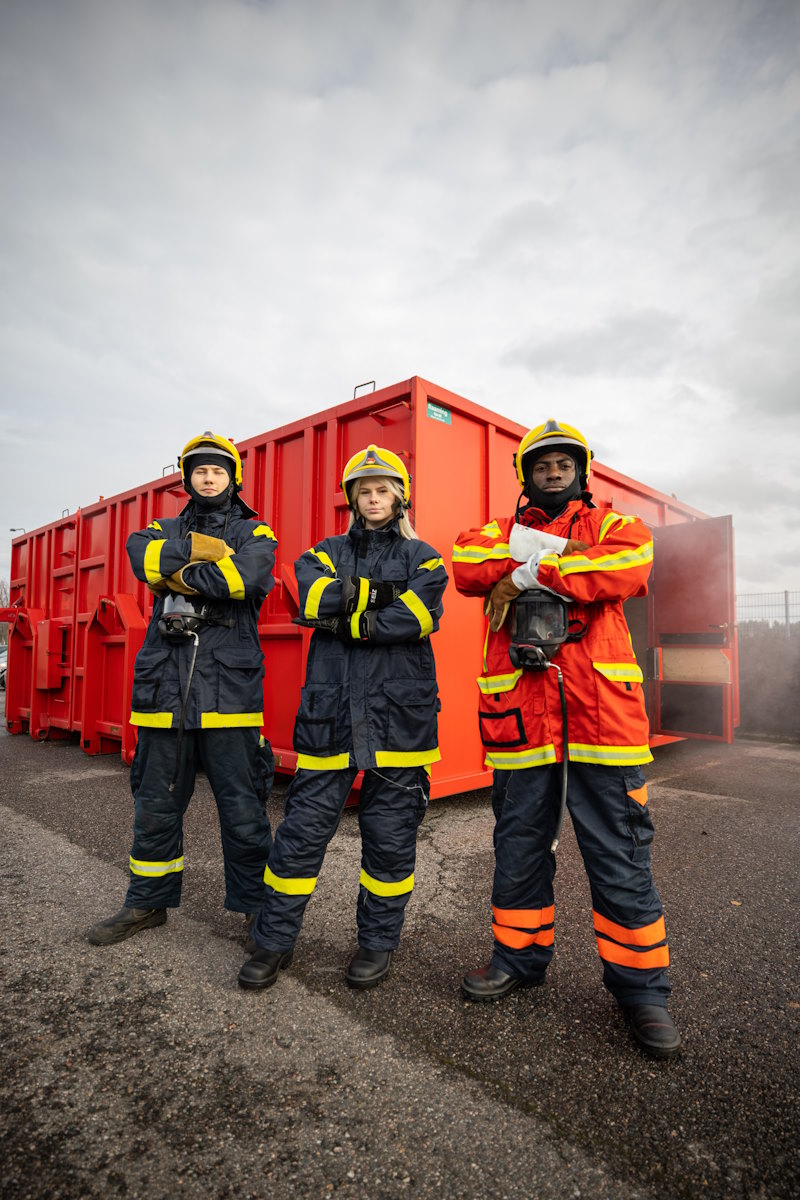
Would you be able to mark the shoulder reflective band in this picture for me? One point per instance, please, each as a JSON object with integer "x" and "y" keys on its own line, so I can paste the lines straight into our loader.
{"x": 610, "y": 521}
{"x": 324, "y": 558}
{"x": 264, "y": 531}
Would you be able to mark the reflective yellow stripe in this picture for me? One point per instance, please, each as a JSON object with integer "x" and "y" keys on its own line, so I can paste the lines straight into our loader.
{"x": 152, "y": 560}
{"x": 355, "y": 621}
{"x": 363, "y": 596}
{"x": 232, "y": 578}
{"x": 516, "y": 760}
{"x": 290, "y": 887}
{"x": 406, "y": 758}
{"x": 492, "y": 530}
{"x": 415, "y": 606}
{"x": 491, "y": 684}
{"x": 155, "y": 525}
{"x": 323, "y": 558}
{"x": 610, "y": 756}
{"x": 631, "y": 556}
{"x": 315, "y": 595}
{"x": 479, "y": 554}
{"x": 431, "y": 564}
{"x": 326, "y": 762}
{"x": 154, "y": 870}
{"x": 379, "y": 888}
{"x": 159, "y": 720}
{"x": 264, "y": 531}
{"x": 625, "y": 672}
{"x": 217, "y": 720}
{"x": 611, "y": 520}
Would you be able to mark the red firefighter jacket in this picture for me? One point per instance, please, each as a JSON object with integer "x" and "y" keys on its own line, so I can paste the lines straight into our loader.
{"x": 520, "y": 711}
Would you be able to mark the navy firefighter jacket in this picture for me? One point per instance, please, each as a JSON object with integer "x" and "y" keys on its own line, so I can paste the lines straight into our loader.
{"x": 370, "y": 703}
{"x": 226, "y": 688}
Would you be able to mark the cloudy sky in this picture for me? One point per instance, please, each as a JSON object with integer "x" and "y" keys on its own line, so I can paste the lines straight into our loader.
{"x": 228, "y": 213}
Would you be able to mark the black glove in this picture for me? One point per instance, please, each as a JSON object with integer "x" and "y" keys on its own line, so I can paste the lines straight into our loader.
{"x": 378, "y": 594}
{"x": 364, "y": 631}
{"x": 329, "y": 624}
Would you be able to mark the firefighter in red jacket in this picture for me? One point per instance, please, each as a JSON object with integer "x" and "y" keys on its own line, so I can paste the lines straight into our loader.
{"x": 563, "y": 560}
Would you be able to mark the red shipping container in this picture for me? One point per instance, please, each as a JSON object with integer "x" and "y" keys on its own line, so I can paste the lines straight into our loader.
{"x": 78, "y": 614}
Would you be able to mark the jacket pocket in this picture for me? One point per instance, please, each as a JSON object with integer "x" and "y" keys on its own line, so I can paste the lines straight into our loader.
{"x": 412, "y": 705}
{"x": 316, "y": 722}
{"x": 155, "y": 687}
{"x": 239, "y": 675}
{"x": 501, "y": 727}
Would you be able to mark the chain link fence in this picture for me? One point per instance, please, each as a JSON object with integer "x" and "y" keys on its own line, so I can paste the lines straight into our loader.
{"x": 763, "y": 613}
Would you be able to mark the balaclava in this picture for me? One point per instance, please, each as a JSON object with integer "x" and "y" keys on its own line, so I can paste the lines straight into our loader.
{"x": 553, "y": 503}
{"x": 222, "y": 502}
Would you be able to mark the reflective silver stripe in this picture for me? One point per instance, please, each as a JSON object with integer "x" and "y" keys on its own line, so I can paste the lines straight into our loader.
{"x": 154, "y": 870}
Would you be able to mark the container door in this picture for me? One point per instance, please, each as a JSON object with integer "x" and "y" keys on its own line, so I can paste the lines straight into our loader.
{"x": 693, "y": 676}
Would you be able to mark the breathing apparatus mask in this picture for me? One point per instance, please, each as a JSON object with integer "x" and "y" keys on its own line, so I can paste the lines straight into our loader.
{"x": 180, "y": 620}
{"x": 539, "y": 627}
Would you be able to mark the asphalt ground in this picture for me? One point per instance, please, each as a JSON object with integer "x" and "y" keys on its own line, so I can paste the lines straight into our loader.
{"x": 142, "y": 1070}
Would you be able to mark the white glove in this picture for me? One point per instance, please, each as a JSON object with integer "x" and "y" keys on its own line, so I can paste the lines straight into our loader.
{"x": 524, "y": 542}
{"x": 526, "y": 575}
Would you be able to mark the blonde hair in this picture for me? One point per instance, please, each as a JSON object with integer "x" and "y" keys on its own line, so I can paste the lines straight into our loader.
{"x": 404, "y": 526}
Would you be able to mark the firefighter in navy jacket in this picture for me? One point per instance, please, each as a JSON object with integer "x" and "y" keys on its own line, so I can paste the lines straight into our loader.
{"x": 370, "y": 702}
{"x": 197, "y": 690}
{"x": 560, "y": 545}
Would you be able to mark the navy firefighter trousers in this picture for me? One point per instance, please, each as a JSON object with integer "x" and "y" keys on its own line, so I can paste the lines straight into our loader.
{"x": 239, "y": 765}
{"x": 608, "y": 807}
{"x": 391, "y": 805}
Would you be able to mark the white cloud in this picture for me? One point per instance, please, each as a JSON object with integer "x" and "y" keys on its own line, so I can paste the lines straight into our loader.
{"x": 228, "y": 213}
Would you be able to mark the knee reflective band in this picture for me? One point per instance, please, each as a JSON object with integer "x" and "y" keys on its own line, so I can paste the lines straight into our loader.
{"x": 290, "y": 887}
{"x": 379, "y": 888}
{"x": 155, "y": 870}
{"x": 519, "y": 928}
{"x": 638, "y": 948}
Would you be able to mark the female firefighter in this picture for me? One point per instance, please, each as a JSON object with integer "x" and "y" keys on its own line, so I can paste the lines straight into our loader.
{"x": 370, "y": 702}
{"x": 564, "y": 560}
{"x": 197, "y": 690}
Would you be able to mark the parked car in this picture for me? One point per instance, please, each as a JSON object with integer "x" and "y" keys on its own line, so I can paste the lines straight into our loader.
{"x": 3, "y": 660}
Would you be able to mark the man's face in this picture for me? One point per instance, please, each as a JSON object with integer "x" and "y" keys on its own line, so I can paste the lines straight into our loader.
{"x": 209, "y": 480}
{"x": 554, "y": 471}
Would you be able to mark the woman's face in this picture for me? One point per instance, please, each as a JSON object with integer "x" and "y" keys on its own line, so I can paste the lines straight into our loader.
{"x": 375, "y": 502}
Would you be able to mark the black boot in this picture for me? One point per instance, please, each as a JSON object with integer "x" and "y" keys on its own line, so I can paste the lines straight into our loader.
{"x": 250, "y": 946}
{"x": 125, "y": 924}
{"x": 262, "y": 969}
{"x": 654, "y": 1029}
{"x": 492, "y": 983}
{"x": 368, "y": 967}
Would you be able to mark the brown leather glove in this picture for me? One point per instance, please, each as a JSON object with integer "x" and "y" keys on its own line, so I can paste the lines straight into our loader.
{"x": 574, "y": 545}
{"x": 176, "y": 583}
{"x": 498, "y": 601}
{"x": 208, "y": 549}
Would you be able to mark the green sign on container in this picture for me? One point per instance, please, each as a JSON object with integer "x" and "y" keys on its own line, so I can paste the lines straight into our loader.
{"x": 438, "y": 412}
